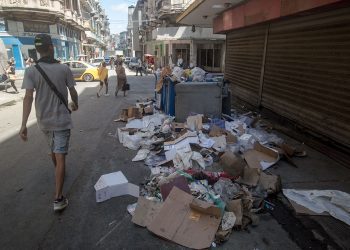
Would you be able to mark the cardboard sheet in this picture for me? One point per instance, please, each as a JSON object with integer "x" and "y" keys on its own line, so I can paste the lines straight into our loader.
{"x": 261, "y": 157}
{"x": 189, "y": 227}
{"x": 113, "y": 185}
{"x": 185, "y": 139}
{"x": 145, "y": 211}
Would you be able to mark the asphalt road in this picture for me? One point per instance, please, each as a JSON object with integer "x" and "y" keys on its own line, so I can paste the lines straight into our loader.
{"x": 27, "y": 220}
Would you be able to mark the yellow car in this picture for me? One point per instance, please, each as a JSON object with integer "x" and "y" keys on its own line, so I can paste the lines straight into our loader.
{"x": 83, "y": 71}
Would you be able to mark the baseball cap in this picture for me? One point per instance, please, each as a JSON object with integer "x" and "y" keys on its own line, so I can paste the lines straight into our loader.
{"x": 42, "y": 39}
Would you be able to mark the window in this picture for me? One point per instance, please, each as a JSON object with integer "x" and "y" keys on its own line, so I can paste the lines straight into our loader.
{"x": 36, "y": 27}
{"x": 3, "y": 25}
{"x": 76, "y": 65}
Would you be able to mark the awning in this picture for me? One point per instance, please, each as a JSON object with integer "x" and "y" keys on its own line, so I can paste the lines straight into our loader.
{"x": 202, "y": 12}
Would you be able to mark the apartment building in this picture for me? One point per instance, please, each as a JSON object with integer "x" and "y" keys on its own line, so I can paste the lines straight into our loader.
{"x": 71, "y": 23}
{"x": 159, "y": 34}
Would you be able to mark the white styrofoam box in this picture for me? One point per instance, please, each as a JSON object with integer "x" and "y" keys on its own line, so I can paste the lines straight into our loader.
{"x": 113, "y": 185}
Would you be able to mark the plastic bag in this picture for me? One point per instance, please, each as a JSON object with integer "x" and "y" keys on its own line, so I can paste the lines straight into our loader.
{"x": 177, "y": 73}
{"x": 197, "y": 74}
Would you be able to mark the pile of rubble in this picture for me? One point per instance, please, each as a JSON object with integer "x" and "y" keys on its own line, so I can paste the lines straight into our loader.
{"x": 208, "y": 176}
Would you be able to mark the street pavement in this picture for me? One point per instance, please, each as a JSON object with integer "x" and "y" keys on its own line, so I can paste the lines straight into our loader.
{"x": 27, "y": 220}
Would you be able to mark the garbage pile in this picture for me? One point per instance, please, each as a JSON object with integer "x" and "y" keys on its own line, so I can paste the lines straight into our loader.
{"x": 178, "y": 74}
{"x": 208, "y": 176}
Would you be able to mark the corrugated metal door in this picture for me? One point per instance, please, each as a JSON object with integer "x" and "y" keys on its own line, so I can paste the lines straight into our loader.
{"x": 307, "y": 72}
{"x": 244, "y": 55}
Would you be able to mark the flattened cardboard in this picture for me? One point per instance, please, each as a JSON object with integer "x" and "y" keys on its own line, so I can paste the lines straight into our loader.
{"x": 261, "y": 157}
{"x": 236, "y": 207}
{"x": 179, "y": 182}
{"x": 145, "y": 211}
{"x": 113, "y": 185}
{"x": 178, "y": 222}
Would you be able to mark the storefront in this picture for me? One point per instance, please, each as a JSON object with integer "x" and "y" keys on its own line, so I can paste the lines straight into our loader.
{"x": 298, "y": 67}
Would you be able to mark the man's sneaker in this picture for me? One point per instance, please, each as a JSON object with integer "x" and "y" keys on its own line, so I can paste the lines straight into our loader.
{"x": 106, "y": 94}
{"x": 60, "y": 204}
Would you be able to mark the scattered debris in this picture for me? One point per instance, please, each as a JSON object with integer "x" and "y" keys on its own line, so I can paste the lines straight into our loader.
{"x": 207, "y": 175}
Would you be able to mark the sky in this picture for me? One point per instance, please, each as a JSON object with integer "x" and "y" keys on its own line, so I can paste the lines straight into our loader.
{"x": 117, "y": 12}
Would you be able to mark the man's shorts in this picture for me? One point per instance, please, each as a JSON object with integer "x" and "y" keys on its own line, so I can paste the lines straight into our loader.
{"x": 58, "y": 141}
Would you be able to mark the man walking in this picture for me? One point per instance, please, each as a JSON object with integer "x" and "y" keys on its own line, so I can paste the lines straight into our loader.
{"x": 139, "y": 67}
{"x": 50, "y": 80}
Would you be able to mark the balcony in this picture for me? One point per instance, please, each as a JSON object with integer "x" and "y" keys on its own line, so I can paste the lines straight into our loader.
{"x": 42, "y": 10}
{"x": 168, "y": 9}
{"x": 87, "y": 26}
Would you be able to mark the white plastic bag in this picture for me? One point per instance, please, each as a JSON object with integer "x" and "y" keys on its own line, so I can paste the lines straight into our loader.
{"x": 198, "y": 74}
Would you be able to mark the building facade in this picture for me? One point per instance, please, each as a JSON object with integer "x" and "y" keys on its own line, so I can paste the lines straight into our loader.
{"x": 156, "y": 32}
{"x": 70, "y": 23}
{"x": 289, "y": 58}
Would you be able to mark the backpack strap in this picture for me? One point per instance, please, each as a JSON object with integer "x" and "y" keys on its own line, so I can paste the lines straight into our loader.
{"x": 52, "y": 86}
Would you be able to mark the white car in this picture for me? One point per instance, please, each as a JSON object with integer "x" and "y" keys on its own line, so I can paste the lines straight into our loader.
{"x": 97, "y": 61}
{"x": 133, "y": 64}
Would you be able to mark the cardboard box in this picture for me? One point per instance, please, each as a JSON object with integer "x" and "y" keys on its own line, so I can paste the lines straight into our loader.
{"x": 178, "y": 126}
{"x": 134, "y": 112}
{"x": 232, "y": 164}
{"x": 113, "y": 185}
{"x": 187, "y": 221}
{"x": 148, "y": 110}
{"x": 145, "y": 211}
{"x": 261, "y": 157}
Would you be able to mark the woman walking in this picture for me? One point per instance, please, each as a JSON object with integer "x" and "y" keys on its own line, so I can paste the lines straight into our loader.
{"x": 121, "y": 78}
{"x": 11, "y": 73}
{"x": 103, "y": 75}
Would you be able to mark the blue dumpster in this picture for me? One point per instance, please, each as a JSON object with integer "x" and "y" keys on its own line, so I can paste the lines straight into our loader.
{"x": 169, "y": 96}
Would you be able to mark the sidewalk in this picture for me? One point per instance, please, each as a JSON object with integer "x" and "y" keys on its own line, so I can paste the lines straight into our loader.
{"x": 9, "y": 98}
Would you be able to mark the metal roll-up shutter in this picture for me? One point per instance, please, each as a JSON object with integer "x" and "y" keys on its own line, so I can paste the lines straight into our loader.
{"x": 307, "y": 72}
{"x": 244, "y": 53}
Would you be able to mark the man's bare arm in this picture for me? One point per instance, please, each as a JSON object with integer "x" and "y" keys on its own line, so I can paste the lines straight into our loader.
{"x": 74, "y": 95}
{"x": 27, "y": 107}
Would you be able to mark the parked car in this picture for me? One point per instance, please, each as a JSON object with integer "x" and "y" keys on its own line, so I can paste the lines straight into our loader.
{"x": 133, "y": 63}
{"x": 97, "y": 61}
{"x": 83, "y": 71}
{"x": 127, "y": 60}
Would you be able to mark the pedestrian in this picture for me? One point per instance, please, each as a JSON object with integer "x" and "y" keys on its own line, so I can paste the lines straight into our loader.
{"x": 11, "y": 75}
{"x": 139, "y": 67}
{"x": 112, "y": 62}
{"x": 50, "y": 80}
{"x": 121, "y": 79}
{"x": 180, "y": 61}
{"x": 103, "y": 75}
{"x": 29, "y": 62}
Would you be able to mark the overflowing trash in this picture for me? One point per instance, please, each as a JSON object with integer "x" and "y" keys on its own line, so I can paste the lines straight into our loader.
{"x": 208, "y": 176}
